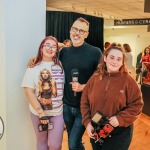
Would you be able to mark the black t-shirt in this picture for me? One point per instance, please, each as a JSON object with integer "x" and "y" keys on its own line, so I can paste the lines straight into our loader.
{"x": 85, "y": 58}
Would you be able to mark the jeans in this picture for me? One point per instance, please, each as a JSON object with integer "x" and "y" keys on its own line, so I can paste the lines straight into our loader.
{"x": 75, "y": 129}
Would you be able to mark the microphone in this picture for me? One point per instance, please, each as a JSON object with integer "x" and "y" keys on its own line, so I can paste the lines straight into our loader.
{"x": 75, "y": 74}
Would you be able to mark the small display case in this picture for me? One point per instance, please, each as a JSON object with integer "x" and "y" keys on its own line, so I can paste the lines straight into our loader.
{"x": 145, "y": 74}
{"x": 145, "y": 87}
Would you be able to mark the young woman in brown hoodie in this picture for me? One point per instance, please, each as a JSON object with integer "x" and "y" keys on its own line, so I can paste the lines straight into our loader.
{"x": 114, "y": 93}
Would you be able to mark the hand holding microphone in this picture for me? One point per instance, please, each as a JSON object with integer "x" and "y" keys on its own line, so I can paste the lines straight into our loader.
{"x": 76, "y": 86}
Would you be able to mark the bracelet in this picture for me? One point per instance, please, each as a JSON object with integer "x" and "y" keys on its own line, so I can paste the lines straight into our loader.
{"x": 44, "y": 118}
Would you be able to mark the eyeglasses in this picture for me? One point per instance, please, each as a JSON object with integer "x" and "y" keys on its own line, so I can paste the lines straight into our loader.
{"x": 48, "y": 47}
{"x": 74, "y": 29}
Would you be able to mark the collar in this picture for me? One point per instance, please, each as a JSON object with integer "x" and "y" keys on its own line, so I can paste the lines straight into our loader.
{"x": 79, "y": 47}
{"x": 113, "y": 74}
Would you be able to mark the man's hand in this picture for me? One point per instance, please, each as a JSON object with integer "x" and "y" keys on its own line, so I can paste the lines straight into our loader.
{"x": 114, "y": 121}
{"x": 77, "y": 87}
{"x": 89, "y": 130}
{"x": 31, "y": 62}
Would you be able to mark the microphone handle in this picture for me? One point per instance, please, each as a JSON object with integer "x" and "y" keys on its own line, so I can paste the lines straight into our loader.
{"x": 75, "y": 79}
{"x": 75, "y": 93}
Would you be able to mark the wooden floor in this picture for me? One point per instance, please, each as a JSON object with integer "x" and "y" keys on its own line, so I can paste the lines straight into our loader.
{"x": 140, "y": 141}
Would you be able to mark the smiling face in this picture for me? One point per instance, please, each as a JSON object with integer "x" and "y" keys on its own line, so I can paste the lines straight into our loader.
{"x": 45, "y": 74}
{"x": 114, "y": 60}
{"x": 49, "y": 50}
{"x": 78, "y": 32}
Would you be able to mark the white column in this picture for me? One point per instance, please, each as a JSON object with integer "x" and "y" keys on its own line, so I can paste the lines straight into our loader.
{"x": 2, "y": 73}
{"x": 23, "y": 28}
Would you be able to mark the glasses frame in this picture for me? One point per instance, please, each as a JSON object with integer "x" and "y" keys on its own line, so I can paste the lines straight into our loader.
{"x": 81, "y": 31}
{"x": 50, "y": 47}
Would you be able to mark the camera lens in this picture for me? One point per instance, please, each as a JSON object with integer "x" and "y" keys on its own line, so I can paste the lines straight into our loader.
{"x": 45, "y": 127}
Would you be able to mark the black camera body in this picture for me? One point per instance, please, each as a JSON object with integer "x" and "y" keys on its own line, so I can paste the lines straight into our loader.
{"x": 102, "y": 128}
{"x": 45, "y": 127}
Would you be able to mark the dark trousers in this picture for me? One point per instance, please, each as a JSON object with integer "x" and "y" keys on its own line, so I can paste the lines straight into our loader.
{"x": 120, "y": 140}
{"x": 75, "y": 129}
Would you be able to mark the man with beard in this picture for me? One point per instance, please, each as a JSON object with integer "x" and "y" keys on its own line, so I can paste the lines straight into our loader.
{"x": 85, "y": 58}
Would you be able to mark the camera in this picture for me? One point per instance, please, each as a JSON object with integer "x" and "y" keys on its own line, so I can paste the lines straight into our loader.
{"x": 102, "y": 128}
{"x": 97, "y": 118}
{"x": 45, "y": 127}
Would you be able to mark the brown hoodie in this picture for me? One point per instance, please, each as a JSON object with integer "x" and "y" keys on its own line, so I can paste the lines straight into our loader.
{"x": 115, "y": 95}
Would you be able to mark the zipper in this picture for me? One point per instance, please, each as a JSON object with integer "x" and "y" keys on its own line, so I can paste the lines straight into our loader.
{"x": 108, "y": 82}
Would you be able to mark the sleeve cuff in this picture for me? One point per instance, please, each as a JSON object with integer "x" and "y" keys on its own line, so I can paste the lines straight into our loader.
{"x": 85, "y": 123}
{"x": 121, "y": 121}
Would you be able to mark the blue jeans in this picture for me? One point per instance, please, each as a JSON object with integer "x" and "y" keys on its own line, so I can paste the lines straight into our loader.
{"x": 75, "y": 129}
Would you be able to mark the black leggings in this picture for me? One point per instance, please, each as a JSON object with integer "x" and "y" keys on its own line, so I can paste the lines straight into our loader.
{"x": 120, "y": 140}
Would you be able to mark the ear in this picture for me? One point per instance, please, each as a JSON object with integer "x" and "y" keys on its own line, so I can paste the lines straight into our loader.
{"x": 105, "y": 58}
{"x": 70, "y": 31}
{"x": 87, "y": 33}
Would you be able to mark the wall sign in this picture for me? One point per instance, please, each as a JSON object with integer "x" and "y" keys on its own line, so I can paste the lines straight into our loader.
{"x": 127, "y": 22}
{"x": 1, "y": 128}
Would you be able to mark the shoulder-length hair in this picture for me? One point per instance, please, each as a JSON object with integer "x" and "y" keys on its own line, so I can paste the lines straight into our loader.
{"x": 102, "y": 68}
{"x": 40, "y": 54}
{"x": 127, "y": 48}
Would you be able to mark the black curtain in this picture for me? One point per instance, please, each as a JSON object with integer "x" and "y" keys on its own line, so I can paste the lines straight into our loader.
{"x": 58, "y": 24}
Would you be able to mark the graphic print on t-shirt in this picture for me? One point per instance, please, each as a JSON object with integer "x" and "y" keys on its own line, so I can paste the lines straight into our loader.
{"x": 47, "y": 88}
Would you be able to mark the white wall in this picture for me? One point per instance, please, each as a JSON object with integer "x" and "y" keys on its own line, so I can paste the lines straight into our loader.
{"x": 138, "y": 38}
{"x": 24, "y": 29}
{"x": 2, "y": 73}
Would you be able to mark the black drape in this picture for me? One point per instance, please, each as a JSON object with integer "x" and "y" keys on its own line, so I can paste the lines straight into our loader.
{"x": 58, "y": 24}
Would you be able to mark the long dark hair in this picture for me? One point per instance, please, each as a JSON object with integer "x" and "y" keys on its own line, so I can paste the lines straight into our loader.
{"x": 145, "y": 50}
{"x": 102, "y": 68}
{"x": 40, "y": 54}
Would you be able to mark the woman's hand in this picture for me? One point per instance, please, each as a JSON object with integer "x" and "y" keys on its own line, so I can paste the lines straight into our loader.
{"x": 113, "y": 121}
{"x": 43, "y": 115}
{"x": 90, "y": 130}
